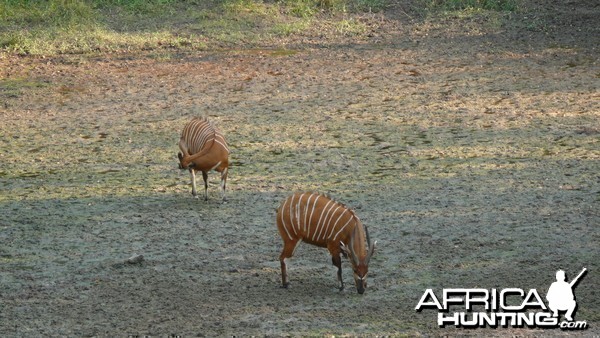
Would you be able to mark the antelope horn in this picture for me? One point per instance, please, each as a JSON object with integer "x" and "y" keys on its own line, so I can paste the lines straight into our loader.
{"x": 368, "y": 238}
{"x": 371, "y": 251}
{"x": 371, "y": 248}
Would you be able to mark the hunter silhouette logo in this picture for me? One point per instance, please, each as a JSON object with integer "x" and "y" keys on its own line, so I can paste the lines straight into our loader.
{"x": 514, "y": 307}
{"x": 560, "y": 295}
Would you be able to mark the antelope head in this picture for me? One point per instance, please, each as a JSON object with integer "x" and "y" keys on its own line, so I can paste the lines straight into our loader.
{"x": 359, "y": 256}
{"x": 184, "y": 163}
{"x": 180, "y": 156}
{"x": 184, "y": 156}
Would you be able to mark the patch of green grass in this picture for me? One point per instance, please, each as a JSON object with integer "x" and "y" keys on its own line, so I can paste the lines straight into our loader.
{"x": 35, "y": 14}
{"x": 80, "y": 26}
{"x": 290, "y": 28}
{"x": 308, "y": 8}
{"x": 135, "y": 6}
{"x": 74, "y": 27}
{"x": 248, "y": 6}
{"x": 96, "y": 39}
{"x": 13, "y": 87}
{"x": 350, "y": 26}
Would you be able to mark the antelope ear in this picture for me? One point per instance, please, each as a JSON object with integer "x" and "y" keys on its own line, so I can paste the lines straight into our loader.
{"x": 180, "y": 156}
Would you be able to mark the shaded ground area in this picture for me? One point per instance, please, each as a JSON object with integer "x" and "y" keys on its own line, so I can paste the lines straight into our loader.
{"x": 470, "y": 148}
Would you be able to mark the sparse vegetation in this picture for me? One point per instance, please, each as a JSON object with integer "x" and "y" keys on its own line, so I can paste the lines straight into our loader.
{"x": 73, "y": 27}
{"x": 15, "y": 86}
{"x": 454, "y": 5}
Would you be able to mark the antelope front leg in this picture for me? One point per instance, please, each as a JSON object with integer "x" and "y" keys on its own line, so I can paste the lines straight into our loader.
{"x": 193, "y": 174}
{"x": 337, "y": 261}
{"x": 284, "y": 277}
{"x": 288, "y": 251}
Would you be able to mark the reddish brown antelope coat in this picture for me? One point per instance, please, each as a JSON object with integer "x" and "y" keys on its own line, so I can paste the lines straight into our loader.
{"x": 318, "y": 220}
{"x": 203, "y": 148}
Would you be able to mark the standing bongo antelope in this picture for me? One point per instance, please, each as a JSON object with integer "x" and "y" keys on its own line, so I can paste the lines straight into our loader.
{"x": 316, "y": 219}
{"x": 203, "y": 148}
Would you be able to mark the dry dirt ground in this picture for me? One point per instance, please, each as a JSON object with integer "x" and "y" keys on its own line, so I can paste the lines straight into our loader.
{"x": 469, "y": 147}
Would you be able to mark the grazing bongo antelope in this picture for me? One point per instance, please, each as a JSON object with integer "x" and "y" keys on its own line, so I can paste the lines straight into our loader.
{"x": 317, "y": 219}
{"x": 203, "y": 148}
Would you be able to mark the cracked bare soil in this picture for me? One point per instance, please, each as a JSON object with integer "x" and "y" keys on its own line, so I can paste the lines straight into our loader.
{"x": 470, "y": 149}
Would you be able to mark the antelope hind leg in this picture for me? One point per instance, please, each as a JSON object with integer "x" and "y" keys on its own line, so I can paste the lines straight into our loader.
{"x": 205, "y": 178}
{"x": 224, "y": 183}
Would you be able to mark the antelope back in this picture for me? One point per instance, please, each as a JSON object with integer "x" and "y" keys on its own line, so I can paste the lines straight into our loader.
{"x": 198, "y": 140}
{"x": 196, "y": 135}
{"x": 316, "y": 219}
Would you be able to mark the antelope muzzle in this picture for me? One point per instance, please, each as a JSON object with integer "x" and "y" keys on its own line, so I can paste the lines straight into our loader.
{"x": 361, "y": 284}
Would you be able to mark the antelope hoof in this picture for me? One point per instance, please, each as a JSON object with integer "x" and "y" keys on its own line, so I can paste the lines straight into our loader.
{"x": 285, "y": 285}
